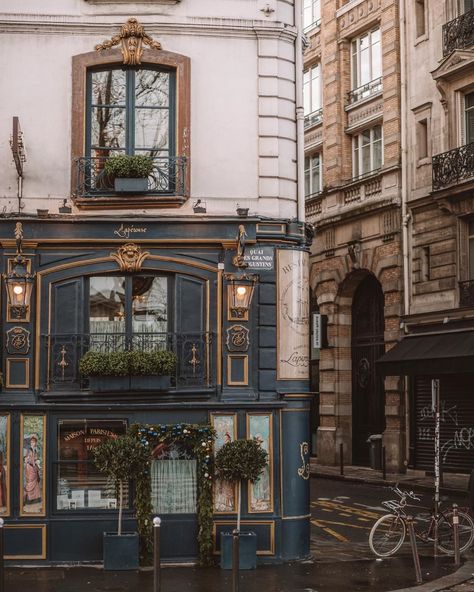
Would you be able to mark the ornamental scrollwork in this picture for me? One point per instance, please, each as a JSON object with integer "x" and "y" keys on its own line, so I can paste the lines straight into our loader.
{"x": 237, "y": 338}
{"x": 304, "y": 470}
{"x": 129, "y": 257}
{"x": 18, "y": 341}
{"x": 132, "y": 36}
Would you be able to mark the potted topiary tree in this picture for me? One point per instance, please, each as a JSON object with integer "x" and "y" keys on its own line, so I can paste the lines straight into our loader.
{"x": 235, "y": 462}
{"x": 121, "y": 459}
{"x": 130, "y": 173}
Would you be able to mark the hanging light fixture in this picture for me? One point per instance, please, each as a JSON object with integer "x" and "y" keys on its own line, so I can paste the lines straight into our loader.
{"x": 241, "y": 288}
{"x": 19, "y": 281}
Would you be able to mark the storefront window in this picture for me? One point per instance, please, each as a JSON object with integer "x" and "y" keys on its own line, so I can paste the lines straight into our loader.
{"x": 173, "y": 486}
{"x": 79, "y": 484}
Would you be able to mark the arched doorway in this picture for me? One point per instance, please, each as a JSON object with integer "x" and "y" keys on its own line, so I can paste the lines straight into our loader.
{"x": 368, "y": 395}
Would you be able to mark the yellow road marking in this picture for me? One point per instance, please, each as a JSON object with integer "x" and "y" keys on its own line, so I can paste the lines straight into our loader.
{"x": 345, "y": 524}
{"x": 330, "y": 531}
{"x": 363, "y": 519}
{"x": 344, "y": 514}
{"x": 341, "y": 507}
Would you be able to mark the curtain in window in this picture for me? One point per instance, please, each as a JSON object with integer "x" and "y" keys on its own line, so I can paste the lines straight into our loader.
{"x": 173, "y": 486}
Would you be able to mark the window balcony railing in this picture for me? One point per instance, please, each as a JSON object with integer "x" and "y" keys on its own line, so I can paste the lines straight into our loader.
{"x": 194, "y": 352}
{"x": 458, "y": 33}
{"x": 314, "y": 118}
{"x": 453, "y": 167}
{"x": 466, "y": 293}
{"x": 167, "y": 177}
{"x": 363, "y": 92}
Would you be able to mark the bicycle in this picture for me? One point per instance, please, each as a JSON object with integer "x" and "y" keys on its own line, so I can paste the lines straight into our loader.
{"x": 389, "y": 531}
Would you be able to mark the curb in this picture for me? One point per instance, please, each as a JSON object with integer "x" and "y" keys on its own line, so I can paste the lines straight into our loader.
{"x": 464, "y": 573}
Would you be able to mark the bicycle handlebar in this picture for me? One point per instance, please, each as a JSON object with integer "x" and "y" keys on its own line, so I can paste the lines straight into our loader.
{"x": 405, "y": 494}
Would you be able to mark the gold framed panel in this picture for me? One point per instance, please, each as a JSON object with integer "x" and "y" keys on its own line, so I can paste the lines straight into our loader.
{"x": 230, "y": 358}
{"x": 43, "y": 540}
{"x": 5, "y": 464}
{"x": 264, "y": 484}
{"x": 8, "y": 383}
{"x": 271, "y": 228}
{"x": 231, "y": 316}
{"x": 33, "y": 465}
{"x": 270, "y": 523}
{"x": 224, "y": 494}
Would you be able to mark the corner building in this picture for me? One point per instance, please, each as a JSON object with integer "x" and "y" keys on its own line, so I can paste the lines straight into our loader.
{"x": 207, "y": 91}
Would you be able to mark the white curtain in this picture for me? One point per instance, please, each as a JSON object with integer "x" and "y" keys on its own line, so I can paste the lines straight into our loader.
{"x": 173, "y": 486}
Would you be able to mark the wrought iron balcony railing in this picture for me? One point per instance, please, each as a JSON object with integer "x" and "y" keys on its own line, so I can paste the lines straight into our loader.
{"x": 167, "y": 177}
{"x": 466, "y": 293}
{"x": 194, "y": 352}
{"x": 314, "y": 118}
{"x": 453, "y": 167}
{"x": 458, "y": 33}
{"x": 366, "y": 90}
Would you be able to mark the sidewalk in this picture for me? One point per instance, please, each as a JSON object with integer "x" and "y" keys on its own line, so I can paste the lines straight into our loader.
{"x": 452, "y": 483}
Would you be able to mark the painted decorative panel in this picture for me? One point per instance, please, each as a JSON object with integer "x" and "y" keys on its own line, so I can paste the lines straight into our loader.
{"x": 32, "y": 482}
{"x": 224, "y": 493}
{"x": 260, "y": 493}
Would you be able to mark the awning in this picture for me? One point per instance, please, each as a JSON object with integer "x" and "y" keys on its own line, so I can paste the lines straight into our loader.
{"x": 440, "y": 353}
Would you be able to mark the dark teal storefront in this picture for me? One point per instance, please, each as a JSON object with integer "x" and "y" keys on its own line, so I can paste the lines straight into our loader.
{"x": 135, "y": 283}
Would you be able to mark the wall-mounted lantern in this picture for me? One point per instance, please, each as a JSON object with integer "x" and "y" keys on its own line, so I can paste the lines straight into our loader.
{"x": 19, "y": 281}
{"x": 241, "y": 292}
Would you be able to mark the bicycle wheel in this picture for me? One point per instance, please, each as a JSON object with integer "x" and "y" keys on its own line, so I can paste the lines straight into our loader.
{"x": 446, "y": 532}
{"x": 387, "y": 535}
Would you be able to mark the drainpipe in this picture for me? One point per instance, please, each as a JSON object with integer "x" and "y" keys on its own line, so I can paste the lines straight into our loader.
{"x": 299, "y": 110}
{"x": 405, "y": 214}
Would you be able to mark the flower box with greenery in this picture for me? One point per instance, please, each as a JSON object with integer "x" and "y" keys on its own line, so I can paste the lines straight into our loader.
{"x": 121, "y": 459}
{"x": 125, "y": 370}
{"x": 237, "y": 461}
{"x": 130, "y": 173}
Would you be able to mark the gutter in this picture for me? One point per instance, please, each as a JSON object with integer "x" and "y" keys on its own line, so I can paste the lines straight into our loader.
{"x": 300, "y": 198}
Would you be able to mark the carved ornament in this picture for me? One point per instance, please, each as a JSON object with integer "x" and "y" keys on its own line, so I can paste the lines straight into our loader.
{"x": 18, "y": 341}
{"x": 237, "y": 338}
{"x": 132, "y": 36}
{"x": 129, "y": 257}
{"x": 304, "y": 470}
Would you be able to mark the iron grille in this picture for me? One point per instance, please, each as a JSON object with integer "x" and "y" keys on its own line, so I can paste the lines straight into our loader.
{"x": 313, "y": 118}
{"x": 366, "y": 90}
{"x": 458, "y": 33}
{"x": 454, "y": 166}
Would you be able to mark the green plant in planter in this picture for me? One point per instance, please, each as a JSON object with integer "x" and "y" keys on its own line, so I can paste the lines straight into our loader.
{"x": 121, "y": 459}
{"x": 155, "y": 363}
{"x": 129, "y": 167}
{"x": 240, "y": 460}
{"x": 128, "y": 363}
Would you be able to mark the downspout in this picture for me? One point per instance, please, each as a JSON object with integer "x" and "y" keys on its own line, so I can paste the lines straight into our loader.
{"x": 299, "y": 111}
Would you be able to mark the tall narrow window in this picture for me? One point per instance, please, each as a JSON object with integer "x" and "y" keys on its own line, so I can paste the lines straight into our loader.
{"x": 312, "y": 175}
{"x": 422, "y": 138}
{"x": 425, "y": 263}
{"x": 469, "y": 117}
{"x": 367, "y": 151}
{"x": 420, "y": 15}
{"x": 311, "y": 13}
{"x": 366, "y": 58}
{"x": 312, "y": 90}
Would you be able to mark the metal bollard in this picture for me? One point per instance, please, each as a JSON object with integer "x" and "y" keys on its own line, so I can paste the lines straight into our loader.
{"x": 156, "y": 555}
{"x": 341, "y": 457}
{"x": 414, "y": 550}
{"x": 384, "y": 464}
{"x": 235, "y": 560}
{"x": 2, "y": 567}
{"x": 457, "y": 555}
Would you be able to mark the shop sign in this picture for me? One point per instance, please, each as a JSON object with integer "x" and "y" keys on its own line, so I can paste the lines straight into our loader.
{"x": 129, "y": 230}
{"x": 91, "y": 436}
{"x": 261, "y": 258}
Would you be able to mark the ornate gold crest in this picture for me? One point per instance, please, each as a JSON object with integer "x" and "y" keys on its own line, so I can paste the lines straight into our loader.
{"x": 132, "y": 36}
{"x": 129, "y": 257}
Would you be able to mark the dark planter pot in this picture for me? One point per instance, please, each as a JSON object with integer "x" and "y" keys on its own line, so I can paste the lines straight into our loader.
{"x": 247, "y": 550}
{"x": 120, "y": 552}
{"x": 100, "y": 384}
{"x": 150, "y": 383}
{"x": 131, "y": 185}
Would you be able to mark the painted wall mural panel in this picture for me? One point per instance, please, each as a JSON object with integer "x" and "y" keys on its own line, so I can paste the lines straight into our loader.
{"x": 4, "y": 465}
{"x": 293, "y": 315}
{"x": 224, "y": 493}
{"x": 33, "y": 434}
{"x": 260, "y": 493}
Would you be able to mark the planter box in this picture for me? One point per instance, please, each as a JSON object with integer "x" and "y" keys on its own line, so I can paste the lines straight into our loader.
{"x": 247, "y": 550}
{"x": 131, "y": 185}
{"x": 150, "y": 383}
{"x": 120, "y": 552}
{"x": 100, "y": 384}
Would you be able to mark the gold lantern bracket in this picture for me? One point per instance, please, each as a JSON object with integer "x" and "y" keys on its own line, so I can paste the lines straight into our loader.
{"x": 19, "y": 281}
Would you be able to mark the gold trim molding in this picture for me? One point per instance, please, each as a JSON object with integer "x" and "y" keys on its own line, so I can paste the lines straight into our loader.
{"x": 132, "y": 36}
{"x": 130, "y": 257}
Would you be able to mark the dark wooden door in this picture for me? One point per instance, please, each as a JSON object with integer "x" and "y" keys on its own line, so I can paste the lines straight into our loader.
{"x": 368, "y": 396}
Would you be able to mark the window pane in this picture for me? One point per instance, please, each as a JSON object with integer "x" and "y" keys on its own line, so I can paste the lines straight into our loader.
{"x": 107, "y": 313}
{"x": 173, "y": 486}
{"x": 355, "y": 156}
{"x": 377, "y": 155}
{"x": 365, "y": 75}
{"x": 315, "y": 184}
{"x": 307, "y": 183}
{"x": 152, "y": 88}
{"x": 376, "y": 56}
{"x": 315, "y": 89}
{"x": 307, "y": 13}
{"x": 151, "y": 128}
{"x": 366, "y": 166}
{"x": 79, "y": 483}
{"x": 150, "y": 305}
{"x": 377, "y": 132}
{"x": 307, "y": 93}
{"x": 365, "y": 135}
{"x": 108, "y": 127}
{"x": 469, "y": 106}
{"x": 108, "y": 88}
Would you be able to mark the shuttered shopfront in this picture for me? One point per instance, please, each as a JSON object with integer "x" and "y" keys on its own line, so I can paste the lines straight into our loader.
{"x": 457, "y": 423}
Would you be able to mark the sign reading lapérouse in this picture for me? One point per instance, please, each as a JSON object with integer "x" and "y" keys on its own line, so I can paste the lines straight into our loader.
{"x": 293, "y": 315}
{"x": 262, "y": 258}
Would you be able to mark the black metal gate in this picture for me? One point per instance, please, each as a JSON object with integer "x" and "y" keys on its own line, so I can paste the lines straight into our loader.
{"x": 368, "y": 396}
{"x": 457, "y": 423}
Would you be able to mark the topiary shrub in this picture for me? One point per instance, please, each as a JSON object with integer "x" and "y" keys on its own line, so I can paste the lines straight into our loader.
{"x": 240, "y": 460}
{"x": 125, "y": 363}
{"x": 129, "y": 167}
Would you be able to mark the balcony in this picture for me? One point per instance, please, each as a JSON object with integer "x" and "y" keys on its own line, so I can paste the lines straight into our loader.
{"x": 374, "y": 87}
{"x": 453, "y": 167}
{"x": 458, "y": 33}
{"x": 194, "y": 351}
{"x": 314, "y": 118}
{"x": 466, "y": 294}
{"x": 94, "y": 186}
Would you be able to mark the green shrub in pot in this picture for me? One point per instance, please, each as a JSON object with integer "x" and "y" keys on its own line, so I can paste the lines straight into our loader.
{"x": 129, "y": 167}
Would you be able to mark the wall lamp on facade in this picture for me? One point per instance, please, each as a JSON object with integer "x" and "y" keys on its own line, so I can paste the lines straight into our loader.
{"x": 241, "y": 288}
{"x": 19, "y": 281}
